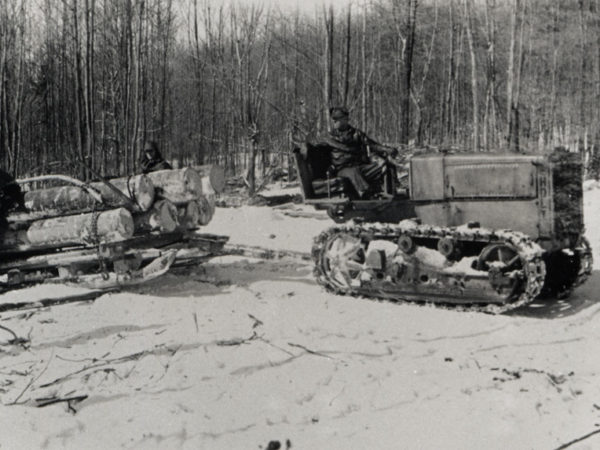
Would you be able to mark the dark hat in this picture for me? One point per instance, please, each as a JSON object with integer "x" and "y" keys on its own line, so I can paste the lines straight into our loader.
{"x": 338, "y": 112}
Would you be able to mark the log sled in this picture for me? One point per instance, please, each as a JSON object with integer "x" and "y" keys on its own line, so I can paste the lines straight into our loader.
{"x": 110, "y": 234}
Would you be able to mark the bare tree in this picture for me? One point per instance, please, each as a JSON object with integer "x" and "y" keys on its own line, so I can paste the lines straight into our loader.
{"x": 474, "y": 88}
{"x": 328, "y": 57}
{"x": 489, "y": 121}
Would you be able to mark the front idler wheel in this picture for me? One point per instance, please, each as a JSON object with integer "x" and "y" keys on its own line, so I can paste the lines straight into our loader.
{"x": 343, "y": 261}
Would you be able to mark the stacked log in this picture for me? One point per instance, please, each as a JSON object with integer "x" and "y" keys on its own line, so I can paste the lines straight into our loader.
{"x": 179, "y": 186}
{"x": 88, "y": 228}
{"x": 106, "y": 226}
{"x": 72, "y": 215}
{"x": 163, "y": 216}
{"x": 214, "y": 174}
{"x": 188, "y": 215}
{"x": 192, "y": 191}
{"x": 213, "y": 183}
{"x": 136, "y": 194}
{"x": 195, "y": 213}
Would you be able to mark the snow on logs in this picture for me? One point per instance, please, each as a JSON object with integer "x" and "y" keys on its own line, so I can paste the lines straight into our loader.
{"x": 105, "y": 226}
{"x": 195, "y": 213}
{"x": 135, "y": 193}
{"x": 163, "y": 216}
{"x": 88, "y": 228}
{"x": 162, "y": 201}
{"x": 215, "y": 175}
{"x": 179, "y": 186}
{"x": 191, "y": 190}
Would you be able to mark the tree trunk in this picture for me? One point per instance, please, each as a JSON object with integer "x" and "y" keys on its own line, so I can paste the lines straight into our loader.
{"x": 347, "y": 56}
{"x": 512, "y": 112}
{"x": 328, "y": 59}
{"x": 474, "y": 88}
{"x": 407, "y": 70}
{"x": 489, "y": 121}
{"x": 583, "y": 70}
{"x": 448, "y": 110}
{"x": 363, "y": 53}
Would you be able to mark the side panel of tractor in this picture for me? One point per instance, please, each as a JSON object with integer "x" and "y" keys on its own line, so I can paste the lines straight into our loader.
{"x": 497, "y": 191}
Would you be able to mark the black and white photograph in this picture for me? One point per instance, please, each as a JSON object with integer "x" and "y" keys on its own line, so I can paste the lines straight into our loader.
{"x": 300, "y": 224}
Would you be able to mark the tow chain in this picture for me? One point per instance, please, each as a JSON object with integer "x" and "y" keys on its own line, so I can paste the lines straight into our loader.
{"x": 94, "y": 239}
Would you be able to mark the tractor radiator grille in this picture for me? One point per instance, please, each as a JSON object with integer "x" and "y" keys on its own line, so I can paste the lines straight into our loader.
{"x": 567, "y": 177}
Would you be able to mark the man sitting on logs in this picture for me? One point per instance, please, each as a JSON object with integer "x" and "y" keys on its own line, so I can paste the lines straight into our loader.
{"x": 11, "y": 198}
{"x": 350, "y": 154}
{"x": 152, "y": 160}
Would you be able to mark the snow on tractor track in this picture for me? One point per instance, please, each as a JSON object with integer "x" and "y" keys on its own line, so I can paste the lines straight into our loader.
{"x": 242, "y": 352}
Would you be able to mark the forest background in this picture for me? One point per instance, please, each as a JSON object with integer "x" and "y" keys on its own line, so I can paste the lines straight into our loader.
{"x": 84, "y": 83}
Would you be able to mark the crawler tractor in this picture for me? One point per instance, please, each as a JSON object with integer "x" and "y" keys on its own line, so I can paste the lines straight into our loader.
{"x": 485, "y": 232}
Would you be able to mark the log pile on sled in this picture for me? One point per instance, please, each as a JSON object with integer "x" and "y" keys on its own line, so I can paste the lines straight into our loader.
{"x": 110, "y": 233}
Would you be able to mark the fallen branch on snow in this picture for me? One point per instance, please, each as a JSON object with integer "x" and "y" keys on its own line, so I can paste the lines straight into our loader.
{"x": 579, "y": 439}
{"x": 33, "y": 380}
{"x": 86, "y": 296}
{"x": 42, "y": 402}
{"x": 102, "y": 363}
{"x": 237, "y": 341}
{"x": 257, "y": 322}
{"x": 16, "y": 340}
{"x": 307, "y": 350}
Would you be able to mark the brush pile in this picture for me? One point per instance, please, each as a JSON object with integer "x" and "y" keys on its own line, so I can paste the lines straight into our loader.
{"x": 109, "y": 233}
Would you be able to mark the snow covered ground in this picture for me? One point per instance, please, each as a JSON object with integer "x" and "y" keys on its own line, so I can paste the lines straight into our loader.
{"x": 241, "y": 352}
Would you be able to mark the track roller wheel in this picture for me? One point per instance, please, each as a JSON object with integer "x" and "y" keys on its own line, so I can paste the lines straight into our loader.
{"x": 450, "y": 248}
{"x": 406, "y": 244}
{"x": 338, "y": 213}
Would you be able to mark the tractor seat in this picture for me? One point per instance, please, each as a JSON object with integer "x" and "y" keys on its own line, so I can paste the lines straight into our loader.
{"x": 313, "y": 168}
{"x": 329, "y": 187}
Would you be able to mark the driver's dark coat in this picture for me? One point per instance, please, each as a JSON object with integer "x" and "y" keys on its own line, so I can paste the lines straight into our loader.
{"x": 349, "y": 147}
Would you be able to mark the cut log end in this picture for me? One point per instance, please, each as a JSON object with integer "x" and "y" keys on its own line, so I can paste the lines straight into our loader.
{"x": 215, "y": 174}
{"x": 179, "y": 186}
{"x": 143, "y": 191}
{"x": 206, "y": 211}
{"x": 124, "y": 225}
{"x": 196, "y": 213}
{"x": 162, "y": 217}
{"x": 165, "y": 215}
{"x": 192, "y": 182}
{"x": 189, "y": 215}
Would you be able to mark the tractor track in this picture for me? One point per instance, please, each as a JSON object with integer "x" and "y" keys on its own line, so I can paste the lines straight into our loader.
{"x": 530, "y": 253}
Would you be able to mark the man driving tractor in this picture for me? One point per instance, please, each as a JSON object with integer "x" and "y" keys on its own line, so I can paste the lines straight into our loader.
{"x": 350, "y": 154}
